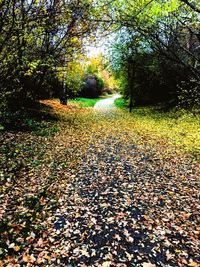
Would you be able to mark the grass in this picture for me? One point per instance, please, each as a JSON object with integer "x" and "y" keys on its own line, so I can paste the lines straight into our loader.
{"x": 120, "y": 103}
{"x": 176, "y": 128}
{"x": 85, "y": 102}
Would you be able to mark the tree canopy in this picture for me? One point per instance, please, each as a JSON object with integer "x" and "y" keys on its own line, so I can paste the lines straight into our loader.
{"x": 156, "y": 51}
{"x": 155, "y": 39}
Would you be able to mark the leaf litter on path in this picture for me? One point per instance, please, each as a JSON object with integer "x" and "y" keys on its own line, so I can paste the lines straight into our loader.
{"x": 101, "y": 195}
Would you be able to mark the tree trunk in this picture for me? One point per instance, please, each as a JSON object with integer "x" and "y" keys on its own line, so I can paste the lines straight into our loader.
{"x": 131, "y": 102}
{"x": 131, "y": 74}
{"x": 63, "y": 98}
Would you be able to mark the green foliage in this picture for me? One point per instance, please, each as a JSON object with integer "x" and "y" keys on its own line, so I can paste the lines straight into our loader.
{"x": 92, "y": 69}
{"x": 36, "y": 40}
{"x": 73, "y": 73}
{"x": 156, "y": 52}
{"x": 100, "y": 82}
{"x": 149, "y": 76}
{"x": 74, "y": 85}
{"x": 97, "y": 68}
{"x": 46, "y": 130}
{"x": 1, "y": 127}
{"x": 85, "y": 102}
{"x": 39, "y": 42}
{"x": 34, "y": 121}
{"x": 121, "y": 103}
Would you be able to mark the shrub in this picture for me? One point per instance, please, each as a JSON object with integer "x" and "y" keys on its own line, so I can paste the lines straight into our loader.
{"x": 92, "y": 87}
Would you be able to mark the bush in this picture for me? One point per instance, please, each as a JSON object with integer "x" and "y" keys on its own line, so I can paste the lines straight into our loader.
{"x": 92, "y": 87}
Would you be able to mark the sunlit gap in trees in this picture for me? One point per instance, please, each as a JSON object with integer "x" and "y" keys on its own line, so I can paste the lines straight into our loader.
{"x": 99, "y": 46}
{"x": 93, "y": 51}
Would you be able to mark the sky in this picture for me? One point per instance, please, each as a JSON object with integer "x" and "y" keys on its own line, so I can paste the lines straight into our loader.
{"x": 95, "y": 50}
{"x": 99, "y": 47}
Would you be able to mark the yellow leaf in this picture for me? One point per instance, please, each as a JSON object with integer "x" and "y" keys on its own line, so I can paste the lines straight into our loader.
{"x": 46, "y": 257}
{"x": 193, "y": 263}
{"x": 16, "y": 248}
{"x": 178, "y": 251}
{"x": 78, "y": 215}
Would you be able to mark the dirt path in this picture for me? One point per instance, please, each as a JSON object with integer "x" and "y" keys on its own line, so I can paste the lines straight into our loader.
{"x": 124, "y": 208}
{"x": 121, "y": 205}
{"x": 106, "y": 104}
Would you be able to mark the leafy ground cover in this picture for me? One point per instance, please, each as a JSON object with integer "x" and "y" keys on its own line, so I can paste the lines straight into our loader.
{"x": 97, "y": 192}
{"x": 121, "y": 103}
{"x": 180, "y": 128}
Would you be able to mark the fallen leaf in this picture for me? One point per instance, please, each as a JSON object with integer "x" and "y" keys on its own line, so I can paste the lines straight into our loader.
{"x": 28, "y": 258}
{"x": 169, "y": 255}
{"x": 40, "y": 242}
{"x": 46, "y": 257}
{"x": 106, "y": 264}
{"x": 11, "y": 245}
{"x": 93, "y": 220}
{"x": 193, "y": 263}
{"x": 148, "y": 264}
{"x": 17, "y": 248}
{"x": 117, "y": 237}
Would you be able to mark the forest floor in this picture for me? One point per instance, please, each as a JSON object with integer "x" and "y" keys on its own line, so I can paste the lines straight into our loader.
{"x": 94, "y": 189}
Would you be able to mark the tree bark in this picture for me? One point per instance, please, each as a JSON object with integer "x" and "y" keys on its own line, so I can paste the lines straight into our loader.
{"x": 131, "y": 74}
{"x": 63, "y": 98}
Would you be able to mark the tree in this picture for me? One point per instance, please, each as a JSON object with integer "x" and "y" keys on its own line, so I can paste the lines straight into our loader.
{"x": 167, "y": 31}
{"x": 38, "y": 37}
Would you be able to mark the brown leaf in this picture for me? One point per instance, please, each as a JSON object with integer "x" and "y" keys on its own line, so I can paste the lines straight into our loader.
{"x": 186, "y": 216}
{"x": 117, "y": 237}
{"x": 146, "y": 217}
{"x": 40, "y": 242}
{"x": 169, "y": 255}
{"x": 28, "y": 258}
